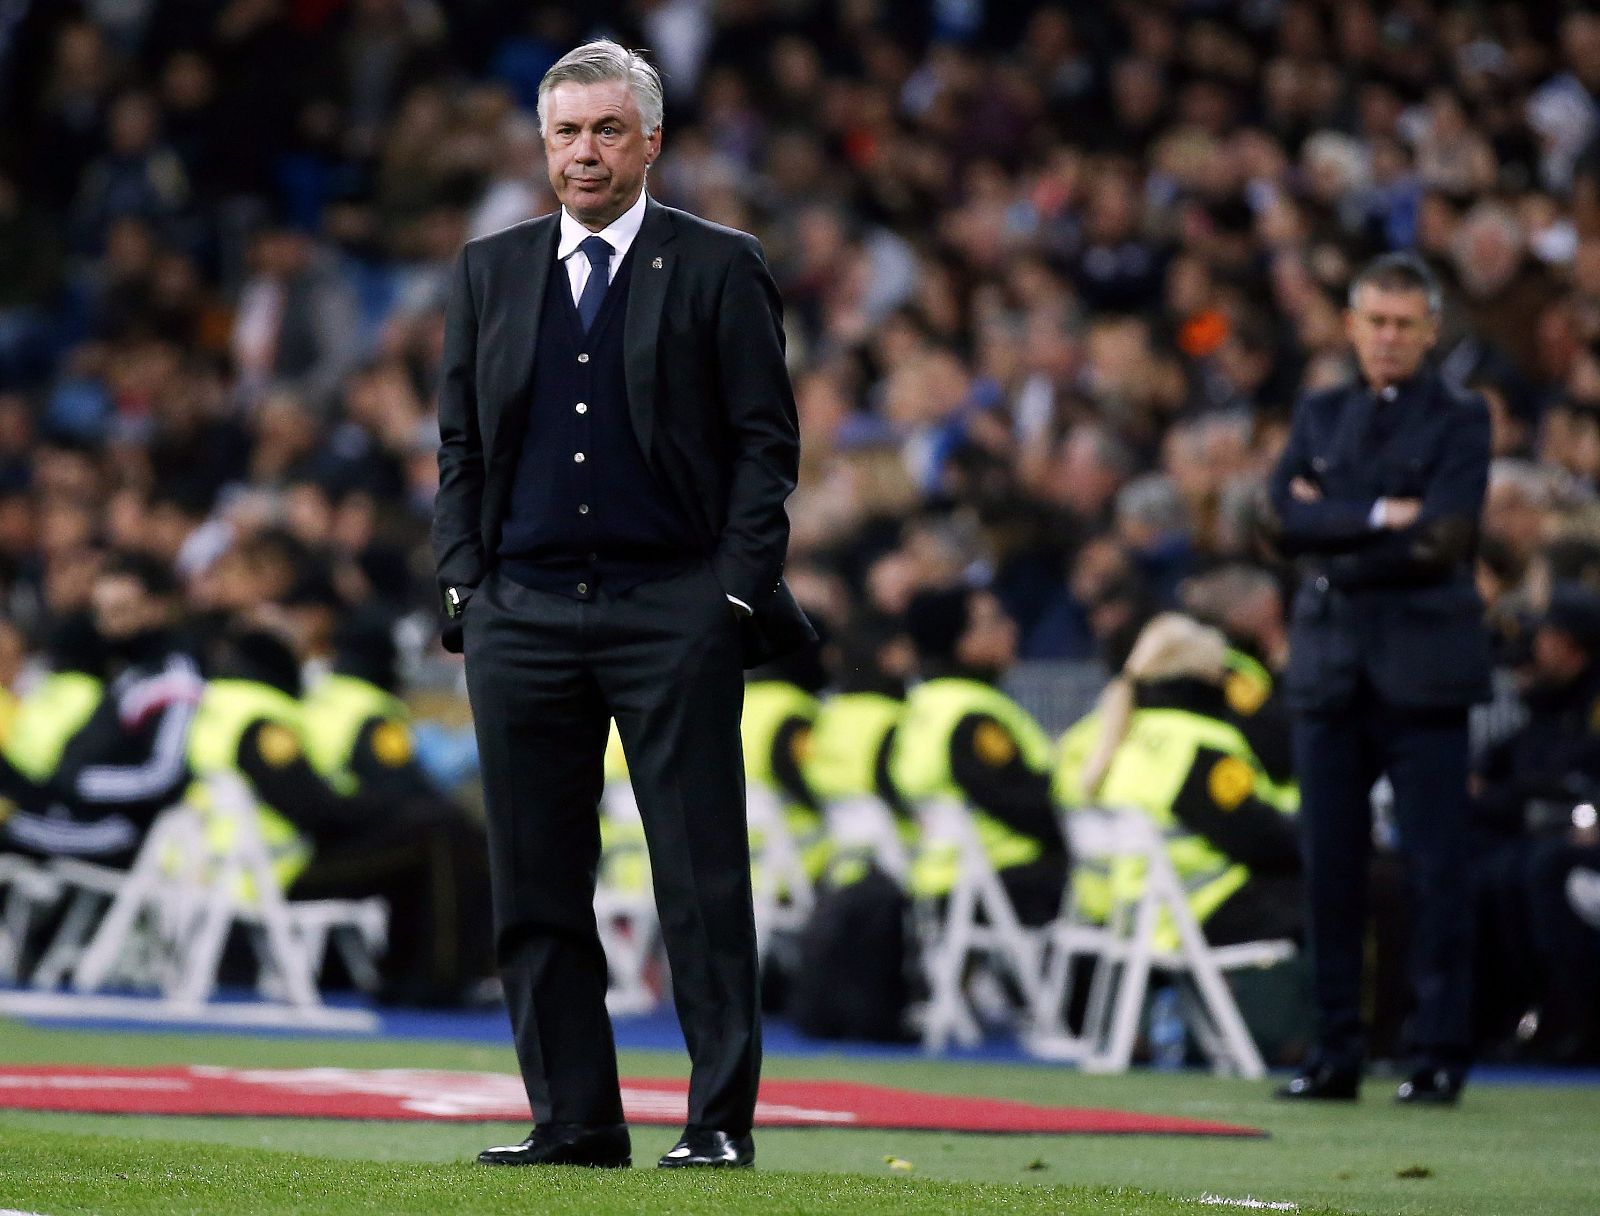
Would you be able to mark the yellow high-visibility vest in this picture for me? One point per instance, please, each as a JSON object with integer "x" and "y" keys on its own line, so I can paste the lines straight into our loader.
{"x": 228, "y": 708}
{"x": 1146, "y": 773}
{"x": 332, "y": 715}
{"x": 920, "y": 768}
{"x": 47, "y": 719}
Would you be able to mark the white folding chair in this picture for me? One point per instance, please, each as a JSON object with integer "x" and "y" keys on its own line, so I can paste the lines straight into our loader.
{"x": 781, "y": 888}
{"x": 975, "y": 922}
{"x": 1125, "y": 951}
{"x": 170, "y": 914}
{"x": 357, "y": 929}
{"x": 864, "y": 826}
{"x": 136, "y": 917}
{"x": 25, "y": 887}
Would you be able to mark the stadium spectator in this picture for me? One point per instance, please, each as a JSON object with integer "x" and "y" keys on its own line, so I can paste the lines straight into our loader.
{"x": 1377, "y": 495}
{"x": 1527, "y": 790}
{"x": 127, "y": 759}
{"x": 960, "y": 736}
{"x": 1164, "y": 739}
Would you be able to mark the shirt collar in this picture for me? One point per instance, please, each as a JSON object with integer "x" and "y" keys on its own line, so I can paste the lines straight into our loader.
{"x": 1407, "y": 389}
{"x": 618, "y": 234}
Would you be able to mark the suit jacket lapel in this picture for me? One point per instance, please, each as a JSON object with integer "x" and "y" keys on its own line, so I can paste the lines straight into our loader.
{"x": 652, "y": 271}
{"x": 527, "y": 273}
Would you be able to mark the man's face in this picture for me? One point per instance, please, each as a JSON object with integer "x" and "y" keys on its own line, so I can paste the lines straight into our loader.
{"x": 123, "y": 608}
{"x": 1391, "y": 331}
{"x": 596, "y": 149}
{"x": 1558, "y": 657}
{"x": 990, "y": 642}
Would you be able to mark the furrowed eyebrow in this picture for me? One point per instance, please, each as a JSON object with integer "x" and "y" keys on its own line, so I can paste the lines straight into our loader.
{"x": 605, "y": 120}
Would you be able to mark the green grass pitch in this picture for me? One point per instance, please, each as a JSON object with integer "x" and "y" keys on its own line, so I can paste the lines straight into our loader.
{"x": 1505, "y": 1152}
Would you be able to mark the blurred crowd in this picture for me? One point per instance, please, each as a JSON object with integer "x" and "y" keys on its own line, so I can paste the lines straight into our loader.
{"x": 1054, "y": 275}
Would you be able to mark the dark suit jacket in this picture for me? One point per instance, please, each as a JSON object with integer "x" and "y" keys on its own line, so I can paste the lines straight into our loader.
{"x": 708, "y": 395}
{"x": 1397, "y": 607}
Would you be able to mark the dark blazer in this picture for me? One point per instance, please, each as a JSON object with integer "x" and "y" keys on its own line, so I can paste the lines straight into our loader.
{"x": 1397, "y": 607}
{"x": 708, "y": 395}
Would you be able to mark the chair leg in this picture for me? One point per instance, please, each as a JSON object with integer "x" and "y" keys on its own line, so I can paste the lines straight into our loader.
{"x": 197, "y": 976}
{"x": 1133, "y": 980}
{"x": 948, "y": 1014}
{"x": 357, "y": 954}
{"x": 1235, "y": 1047}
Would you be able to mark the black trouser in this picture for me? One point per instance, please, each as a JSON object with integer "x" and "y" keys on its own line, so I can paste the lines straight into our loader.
{"x": 545, "y": 674}
{"x": 1037, "y": 888}
{"x": 1268, "y": 907}
{"x": 1339, "y": 754}
{"x": 1506, "y": 963}
{"x": 430, "y": 870}
{"x": 1568, "y": 952}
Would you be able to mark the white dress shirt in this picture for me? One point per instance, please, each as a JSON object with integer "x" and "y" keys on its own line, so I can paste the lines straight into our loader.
{"x": 619, "y": 234}
{"x": 1385, "y": 396}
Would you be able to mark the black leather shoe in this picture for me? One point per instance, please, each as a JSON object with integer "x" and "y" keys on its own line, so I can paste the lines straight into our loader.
{"x": 1431, "y": 1087}
{"x": 1324, "y": 1083}
{"x": 706, "y": 1149}
{"x": 601, "y": 1146}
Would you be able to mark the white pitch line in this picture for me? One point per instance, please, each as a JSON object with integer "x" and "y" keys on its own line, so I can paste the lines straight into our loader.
{"x": 1219, "y": 1201}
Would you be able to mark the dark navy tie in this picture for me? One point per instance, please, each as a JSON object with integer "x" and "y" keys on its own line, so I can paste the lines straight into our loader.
{"x": 594, "y": 291}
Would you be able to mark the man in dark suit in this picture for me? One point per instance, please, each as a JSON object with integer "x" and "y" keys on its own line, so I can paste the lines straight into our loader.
{"x": 1378, "y": 493}
{"x": 618, "y": 437}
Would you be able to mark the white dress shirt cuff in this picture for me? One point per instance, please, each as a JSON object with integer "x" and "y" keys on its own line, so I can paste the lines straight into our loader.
{"x": 1375, "y": 516}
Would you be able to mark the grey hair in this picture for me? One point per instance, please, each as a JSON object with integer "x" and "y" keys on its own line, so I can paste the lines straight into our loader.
{"x": 604, "y": 60}
{"x": 1209, "y": 596}
{"x": 1400, "y": 272}
{"x": 1541, "y": 485}
{"x": 1108, "y": 450}
{"x": 1154, "y": 501}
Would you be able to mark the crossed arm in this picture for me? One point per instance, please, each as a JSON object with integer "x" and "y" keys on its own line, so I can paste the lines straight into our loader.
{"x": 1384, "y": 540}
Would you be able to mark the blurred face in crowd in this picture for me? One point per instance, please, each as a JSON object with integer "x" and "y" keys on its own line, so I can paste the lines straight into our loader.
{"x": 596, "y": 149}
{"x": 990, "y": 642}
{"x": 1558, "y": 657}
{"x": 1511, "y": 515}
{"x": 13, "y": 653}
{"x": 1570, "y": 439}
{"x": 124, "y": 609}
{"x": 1392, "y": 331}
{"x": 133, "y": 124}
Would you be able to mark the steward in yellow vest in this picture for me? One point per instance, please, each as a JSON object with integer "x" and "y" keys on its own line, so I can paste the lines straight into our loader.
{"x": 853, "y": 735}
{"x": 852, "y": 741}
{"x": 45, "y": 722}
{"x": 250, "y": 725}
{"x": 1245, "y": 603}
{"x": 780, "y": 708}
{"x": 851, "y": 738}
{"x": 1255, "y": 703}
{"x": 961, "y": 737}
{"x": 1164, "y": 741}
{"x": 331, "y": 845}
{"x": 851, "y": 978}
{"x": 357, "y": 730}
{"x": 125, "y": 762}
